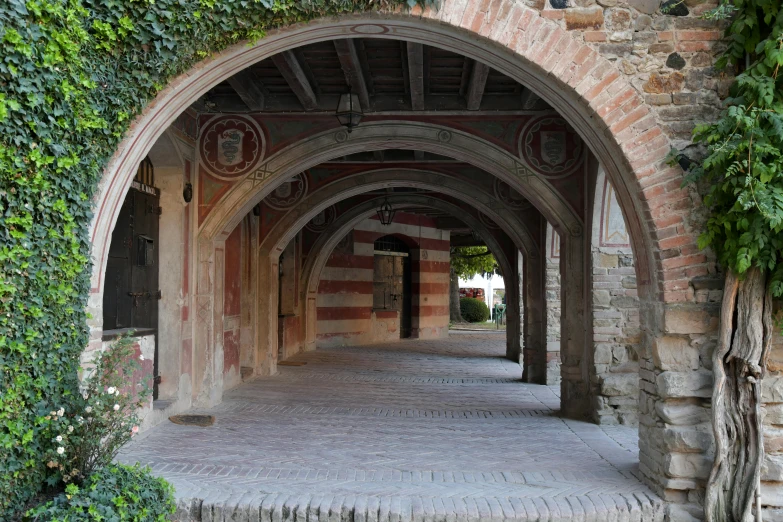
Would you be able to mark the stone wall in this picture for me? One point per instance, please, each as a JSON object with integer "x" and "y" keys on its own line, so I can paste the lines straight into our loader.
{"x": 772, "y": 469}
{"x": 552, "y": 301}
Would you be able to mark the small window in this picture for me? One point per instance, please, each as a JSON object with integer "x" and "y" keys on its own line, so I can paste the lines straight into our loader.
{"x": 146, "y": 252}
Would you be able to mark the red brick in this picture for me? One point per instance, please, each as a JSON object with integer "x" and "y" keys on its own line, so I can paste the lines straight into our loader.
{"x": 595, "y": 36}
{"x": 616, "y": 102}
{"x": 665, "y": 36}
{"x": 696, "y": 271}
{"x": 675, "y": 297}
{"x": 692, "y": 47}
{"x": 629, "y": 119}
{"x": 676, "y": 241}
{"x": 553, "y": 14}
{"x": 681, "y": 261}
{"x": 668, "y": 221}
{"x": 698, "y": 36}
{"x": 600, "y": 86}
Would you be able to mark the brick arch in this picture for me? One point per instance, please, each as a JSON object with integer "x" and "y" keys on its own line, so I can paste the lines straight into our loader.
{"x": 588, "y": 90}
{"x": 601, "y": 104}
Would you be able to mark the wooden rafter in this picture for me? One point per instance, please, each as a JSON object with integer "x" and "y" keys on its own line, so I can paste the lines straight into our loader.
{"x": 246, "y": 86}
{"x": 478, "y": 81}
{"x": 349, "y": 61}
{"x": 416, "y": 74}
{"x": 288, "y": 65}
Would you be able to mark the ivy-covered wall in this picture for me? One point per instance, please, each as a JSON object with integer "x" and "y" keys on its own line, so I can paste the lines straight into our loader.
{"x": 73, "y": 74}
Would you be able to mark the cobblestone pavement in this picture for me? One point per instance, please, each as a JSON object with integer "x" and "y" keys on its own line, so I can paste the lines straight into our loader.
{"x": 411, "y": 431}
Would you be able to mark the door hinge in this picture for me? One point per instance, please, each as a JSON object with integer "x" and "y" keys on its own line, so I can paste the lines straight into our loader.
{"x": 157, "y": 379}
{"x": 158, "y": 295}
{"x": 152, "y": 209}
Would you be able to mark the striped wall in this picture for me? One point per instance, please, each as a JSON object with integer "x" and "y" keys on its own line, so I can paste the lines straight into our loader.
{"x": 345, "y": 315}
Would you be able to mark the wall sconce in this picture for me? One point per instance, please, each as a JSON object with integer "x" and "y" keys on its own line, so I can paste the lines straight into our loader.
{"x": 386, "y": 213}
{"x": 187, "y": 192}
{"x": 349, "y": 110}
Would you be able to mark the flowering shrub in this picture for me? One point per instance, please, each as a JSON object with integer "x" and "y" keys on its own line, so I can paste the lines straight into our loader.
{"x": 116, "y": 492}
{"x": 105, "y": 417}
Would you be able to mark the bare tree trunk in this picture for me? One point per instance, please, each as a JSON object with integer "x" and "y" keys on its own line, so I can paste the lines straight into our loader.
{"x": 738, "y": 364}
{"x": 455, "y": 316}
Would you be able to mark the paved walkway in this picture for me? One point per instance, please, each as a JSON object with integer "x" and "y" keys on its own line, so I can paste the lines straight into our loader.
{"x": 411, "y": 431}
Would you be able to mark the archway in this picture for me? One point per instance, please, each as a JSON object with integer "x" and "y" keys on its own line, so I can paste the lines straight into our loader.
{"x": 578, "y": 86}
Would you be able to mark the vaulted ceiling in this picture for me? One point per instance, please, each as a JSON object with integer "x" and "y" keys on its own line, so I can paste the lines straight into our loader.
{"x": 387, "y": 75}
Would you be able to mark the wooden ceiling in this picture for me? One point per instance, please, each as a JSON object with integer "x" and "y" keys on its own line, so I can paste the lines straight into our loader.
{"x": 387, "y": 75}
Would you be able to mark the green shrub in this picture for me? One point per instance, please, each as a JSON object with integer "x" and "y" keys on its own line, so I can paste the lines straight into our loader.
{"x": 473, "y": 310}
{"x": 116, "y": 492}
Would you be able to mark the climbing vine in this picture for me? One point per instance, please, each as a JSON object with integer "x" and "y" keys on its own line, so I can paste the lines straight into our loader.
{"x": 73, "y": 75}
{"x": 743, "y": 176}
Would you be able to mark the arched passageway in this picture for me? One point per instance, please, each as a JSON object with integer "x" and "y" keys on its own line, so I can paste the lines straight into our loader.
{"x": 265, "y": 224}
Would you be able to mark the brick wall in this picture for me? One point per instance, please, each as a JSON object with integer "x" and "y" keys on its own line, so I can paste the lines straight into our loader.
{"x": 345, "y": 292}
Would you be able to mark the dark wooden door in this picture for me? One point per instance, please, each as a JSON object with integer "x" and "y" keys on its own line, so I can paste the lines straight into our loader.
{"x": 405, "y": 312}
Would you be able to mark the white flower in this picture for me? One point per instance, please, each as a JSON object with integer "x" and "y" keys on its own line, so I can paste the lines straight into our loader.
{"x": 88, "y": 409}
{"x": 61, "y": 412}
{"x": 110, "y": 390}
{"x": 141, "y": 357}
{"x": 117, "y": 393}
{"x": 59, "y": 438}
{"x": 60, "y": 450}
{"x": 116, "y": 407}
{"x": 70, "y": 429}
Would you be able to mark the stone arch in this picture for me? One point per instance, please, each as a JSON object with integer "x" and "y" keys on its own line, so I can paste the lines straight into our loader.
{"x": 329, "y": 239}
{"x": 607, "y": 111}
{"x": 571, "y": 76}
{"x": 385, "y": 135}
{"x": 356, "y": 184}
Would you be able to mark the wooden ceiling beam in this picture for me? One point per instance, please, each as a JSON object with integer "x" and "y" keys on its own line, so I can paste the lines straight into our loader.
{"x": 288, "y": 65}
{"x": 416, "y": 74}
{"x": 529, "y": 99}
{"x": 478, "y": 81}
{"x": 349, "y": 61}
{"x": 245, "y": 83}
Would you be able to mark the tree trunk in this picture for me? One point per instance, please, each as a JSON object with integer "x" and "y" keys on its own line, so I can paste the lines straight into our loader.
{"x": 739, "y": 362}
{"x": 455, "y": 316}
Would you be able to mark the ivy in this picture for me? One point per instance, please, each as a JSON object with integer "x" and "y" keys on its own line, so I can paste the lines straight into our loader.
{"x": 73, "y": 75}
{"x": 743, "y": 169}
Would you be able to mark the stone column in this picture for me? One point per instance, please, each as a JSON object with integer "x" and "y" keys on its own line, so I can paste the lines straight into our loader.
{"x": 535, "y": 321}
{"x": 208, "y": 334}
{"x": 266, "y": 322}
{"x": 575, "y": 399}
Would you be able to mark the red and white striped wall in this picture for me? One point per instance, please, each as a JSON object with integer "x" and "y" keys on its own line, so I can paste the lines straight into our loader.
{"x": 345, "y": 291}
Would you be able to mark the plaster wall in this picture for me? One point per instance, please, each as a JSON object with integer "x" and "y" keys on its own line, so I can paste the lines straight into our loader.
{"x": 345, "y": 314}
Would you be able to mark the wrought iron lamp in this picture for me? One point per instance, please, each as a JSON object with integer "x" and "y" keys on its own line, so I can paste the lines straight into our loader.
{"x": 349, "y": 110}
{"x": 386, "y": 213}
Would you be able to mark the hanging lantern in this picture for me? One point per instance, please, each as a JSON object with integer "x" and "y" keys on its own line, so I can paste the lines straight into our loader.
{"x": 187, "y": 192}
{"x": 349, "y": 110}
{"x": 386, "y": 213}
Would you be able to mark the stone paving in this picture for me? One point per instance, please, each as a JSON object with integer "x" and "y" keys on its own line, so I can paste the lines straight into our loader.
{"x": 410, "y": 431}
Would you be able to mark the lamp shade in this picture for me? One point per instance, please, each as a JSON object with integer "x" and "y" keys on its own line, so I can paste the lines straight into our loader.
{"x": 386, "y": 213}
{"x": 349, "y": 110}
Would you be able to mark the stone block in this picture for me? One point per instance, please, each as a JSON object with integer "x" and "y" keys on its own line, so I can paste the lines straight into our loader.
{"x": 773, "y": 440}
{"x": 624, "y": 302}
{"x": 603, "y": 354}
{"x": 682, "y": 414}
{"x": 684, "y": 384}
{"x": 584, "y": 18}
{"x": 620, "y": 384}
{"x": 689, "y": 320}
{"x": 772, "y": 389}
{"x": 674, "y": 353}
{"x": 687, "y": 465}
{"x": 664, "y": 83}
{"x": 645, "y": 6}
{"x": 773, "y": 413}
{"x": 772, "y": 468}
{"x": 682, "y": 513}
{"x": 618, "y": 19}
{"x": 687, "y": 440}
{"x": 772, "y": 494}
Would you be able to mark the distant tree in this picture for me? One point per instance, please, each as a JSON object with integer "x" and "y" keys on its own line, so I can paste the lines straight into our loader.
{"x": 466, "y": 262}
